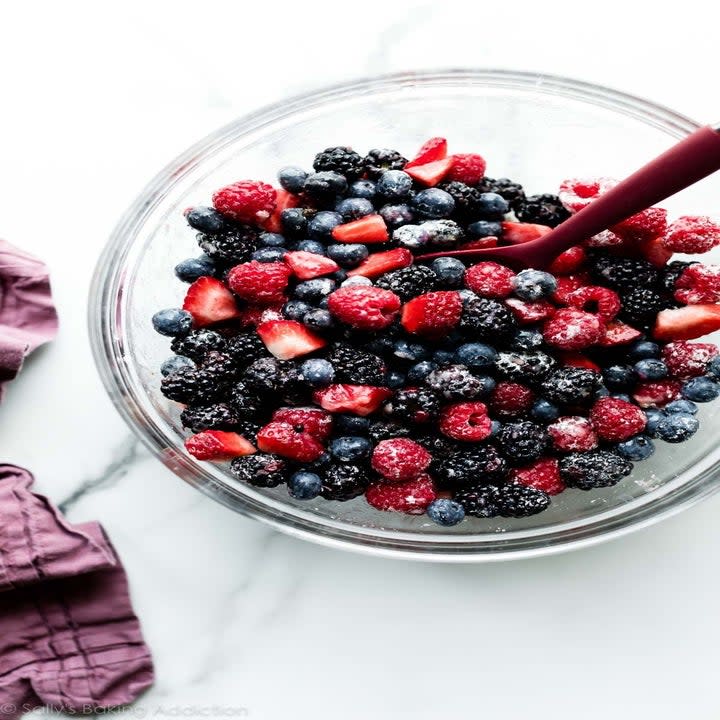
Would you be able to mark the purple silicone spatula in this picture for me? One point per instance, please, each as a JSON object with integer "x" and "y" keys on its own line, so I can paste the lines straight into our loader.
{"x": 692, "y": 159}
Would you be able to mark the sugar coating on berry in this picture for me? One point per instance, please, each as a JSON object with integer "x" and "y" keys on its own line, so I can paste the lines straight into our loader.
{"x": 400, "y": 459}
{"x": 698, "y": 284}
{"x": 656, "y": 393}
{"x": 466, "y": 421}
{"x": 573, "y": 433}
{"x": 569, "y": 283}
{"x": 510, "y": 399}
{"x": 248, "y": 201}
{"x": 692, "y": 234}
{"x": 529, "y": 313}
{"x": 604, "y": 239}
{"x": 577, "y": 193}
{"x": 616, "y": 419}
{"x": 412, "y": 497}
{"x": 595, "y": 299}
{"x": 490, "y": 279}
{"x": 543, "y": 474}
{"x": 573, "y": 329}
{"x": 643, "y": 226}
{"x": 364, "y": 306}
{"x": 687, "y": 359}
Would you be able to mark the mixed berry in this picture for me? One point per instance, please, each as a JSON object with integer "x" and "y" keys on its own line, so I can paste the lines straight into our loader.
{"x": 316, "y": 348}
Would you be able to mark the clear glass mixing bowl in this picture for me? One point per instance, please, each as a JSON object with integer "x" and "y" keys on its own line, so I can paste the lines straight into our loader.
{"x": 536, "y": 129}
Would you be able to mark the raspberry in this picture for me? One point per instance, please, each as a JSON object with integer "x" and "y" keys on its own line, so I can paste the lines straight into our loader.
{"x": 490, "y": 279}
{"x": 576, "y": 193}
{"x": 543, "y": 474}
{"x": 604, "y": 239}
{"x": 595, "y": 469}
{"x": 511, "y": 500}
{"x": 698, "y": 284}
{"x": 282, "y": 438}
{"x": 692, "y": 234}
{"x": 257, "y": 282}
{"x": 616, "y": 419}
{"x": 573, "y": 329}
{"x": 528, "y": 313}
{"x": 595, "y": 299}
{"x": 247, "y": 201}
{"x": 364, "y": 306}
{"x": 568, "y": 261}
{"x": 573, "y": 433}
{"x": 467, "y": 168}
{"x": 400, "y": 459}
{"x": 687, "y": 359}
{"x": 313, "y": 421}
{"x": 466, "y": 421}
{"x": 656, "y": 394}
{"x": 644, "y": 226}
{"x": 569, "y": 283}
{"x": 511, "y": 399}
{"x": 411, "y": 497}
{"x": 432, "y": 315}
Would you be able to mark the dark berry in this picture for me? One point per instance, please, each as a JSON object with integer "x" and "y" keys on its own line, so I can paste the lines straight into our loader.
{"x": 318, "y": 320}
{"x": 433, "y": 203}
{"x": 344, "y": 482}
{"x": 670, "y": 274}
{"x": 676, "y": 427}
{"x": 294, "y": 222}
{"x": 260, "y": 470}
{"x": 193, "y": 268}
{"x": 245, "y": 401}
{"x": 189, "y": 385}
{"x": 464, "y": 468}
{"x": 206, "y": 220}
{"x": 511, "y": 191}
{"x": 312, "y": 246}
{"x": 350, "y": 448}
{"x": 467, "y": 199}
{"x": 234, "y": 245}
{"x": 317, "y": 372}
{"x": 206, "y": 417}
{"x": 445, "y": 512}
{"x": 322, "y": 224}
{"x": 384, "y": 430}
{"x": 270, "y": 375}
{"x": 172, "y": 322}
{"x": 687, "y": 407}
{"x": 485, "y": 228}
{"x": 343, "y": 160}
{"x": 486, "y": 319}
{"x": 355, "y": 366}
{"x": 396, "y": 215}
{"x": 526, "y": 340}
{"x": 511, "y": 500}
{"x": 594, "y": 469}
{"x": 455, "y": 382}
{"x": 701, "y": 389}
{"x": 524, "y": 366}
{"x": 354, "y": 208}
{"x": 643, "y": 349}
{"x": 347, "y": 255}
{"x": 491, "y": 206}
{"x": 296, "y": 309}
{"x": 542, "y": 210}
{"x": 175, "y": 363}
{"x": 409, "y": 282}
{"x": 544, "y": 411}
{"x": 351, "y": 424}
{"x": 641, "y": 305}
{"x": 245, "y": 348}
{"x": 533, "y": 285}
{"x": 640, "y": 447}
{"x": 363, "y": 189}
{"x": 314, "y": 290}
{"x": 394, "y": 379}
{"x": 476, "y": 356}
{"x": 449, "y": 272}
{"x": 269, "y": 254}
{"x": 624, "y": 274}
{"x": 522, "y": 442}
{"x": 377, "y": 161}
{"x": 418, "y": 372}
{"x": 416, "y": 405}
{"x": 304, "y": 485}
{"x": 619, "y": 377}
{"x": 323, "y": 187}
{"x": 198, "y": 343}
{"x": 394, "y": 185}
{"x": 268, "y": 239}
{"x": 437, "y": 445}
{"x": 292, "y": 179}
{"x": 571, "y": 385}
{"x": 650, "y": 369}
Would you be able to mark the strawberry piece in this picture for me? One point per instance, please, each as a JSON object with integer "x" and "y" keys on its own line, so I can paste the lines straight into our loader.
{"x": 569, "y": 261}
{"x": 574, "y": 359}
{"x": 368, "y": 230}
{"x": 209, "y": 301}
{"x": 431, "y": 173}
{"x": 487, "y": 242}
{"x": 411, "y": 498}
{"x": 283, "y": 439}
{"x": 218, "y": 445}
{"x": 433, "y": 314}
{"x": 686, "y": 359}
{"x": 543, "y": 474}
{"x": 259, "y": 283}
{"x": 252, "y": 315}
{"x": 573, "y": 433}
{"x": 617, "y": 333}
{"x": 687, "y": 323}
{"x": 284, "y": 201}
{"x": 616, "y": 420}
{"x": 692, "y": 234}
{"x": 571, "y": 329}
{"x": 307, "y": 265}
{"x": 287, "y": 339}
{"x": 399, "y": 459}
{"x": 517, "y": 233}
{"x": 656, "y": 394}
{"x": 577, "y": 193}
{"x": 568, "y": 284}
{"x": 468, "y": 168}
{"x": 594, "y": 298}
{"x": 312, "y": 420}
{"x": 466, "y": 421}
{"x": 382, "y": 262}
{"x": 644, "y": 226}
{"x": 490, "y": 279}
{"x": 604, "y": 239}
{"x": 511, "y": 399}
{"x": 528, "y": 313}
{"x": 433, "y": 149}
{"x": 358, "y": 399}
{"x": 247, "y": 201}
{"x": 698, "y": 284}
{"x": 655, "y": 252}
{"x": 364, "y": 306}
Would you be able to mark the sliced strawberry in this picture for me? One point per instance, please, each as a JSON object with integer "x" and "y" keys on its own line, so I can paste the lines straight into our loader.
{"x": 516, "y": 233}
{"x": 358, "y": 399}
{"x": 311, "y": 420}
{"x": 433, "y": 149}
{"x": 368, "y": 230}
{"x": 655, "y": 252}
{"x": 284, "y": 439}
{"x": 530, "y": 312}
{"x": 307, "y": 265}
{"x": 687, "y": 323}
{"x": 657, "y": 394}
{"x": 284, "y": 201}
{"x": 209, "y": 301}
{"x": 432, "y": 315}
{"x": 252, "y": 315}
{"x": 487, "y": 242}
{"x": 578, "y": 360}
{"x": 218, "y": 445}
{"x": 617, "y": 333}
{"x": 382, "y": 262}
{"x": 569, "y": 261}
{"x": 287, "y": 339}
{"x": 431, "y": 173}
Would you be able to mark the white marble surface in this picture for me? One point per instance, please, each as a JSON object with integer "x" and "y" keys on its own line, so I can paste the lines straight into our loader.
{"x": 244, "y": 621}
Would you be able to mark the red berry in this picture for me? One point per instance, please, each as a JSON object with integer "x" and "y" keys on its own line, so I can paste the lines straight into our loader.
{"x": 209, "y": 301}
{"x": 307, "y": 265}
{"x": 575, "y": 359}
{"x": 433, "y": 314}
{"x": 577, "y": 193}
{"x": 511, "y": 399}
{"x": 644, "y": 226}
{"x": 260, "y": 283}
{"x": 656, "y": 394}
{"x": 433, "y": 149}
{"x": 358, "y": 399}
{"x": 487, "y": 242}
{"x": 247, "y": 201}
{"x": 617, "y": 333}
{"x": 431, "y": 173}
{"x": 256, "y": 314}
{"x": 368, "y": 230}
{"x": 569, "y": 261}
{"x": 616, "y": 419}
{"x": 687, "y": 323}
{"x": 283, "y": 439}
{"x": 569, "y": 283}
{"x": 595, "y": 299}
{"x": 411, "y": 497}
{"x": 287, "y": 339}
{"x": 573, "y": 434}
{"x": 468, "y": 168}
{"x": 517, "y": 233}
{"x": 685, "y": 359}
{"x": 218, "y": 445}
{"x": 543, "y": 474}
{"x": 698, "y": 284}
{"x": 400, "y": 459}
{"x": 311, "y": 420}
{"x": 692, "y": 234}
{"x": 490, "y": 279}
{"x": 382, "y": 262}
{"x": 573, "y": 329}
{"x": 655, "y": 252}
{"x": 364, "y": 306}
{"x": 284, "y": 201}
{"x": 604, "y": 239}
{"x": 467, "y": 421}
{"x": 529, "y": 313}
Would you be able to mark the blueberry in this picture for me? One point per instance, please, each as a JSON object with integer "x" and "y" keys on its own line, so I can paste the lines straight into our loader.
{"x": 175, "y": 363}
{"x": 294, "y": 222}
{"x": 700, "y": 389}
{"x": 406, "y": 350}
{"x": 527, "y": 340}
{"x": 443, "y": 357}
{"x": 446, "y": 512}
{"x": 304, "y": 485}
{"x": 317, "y": 372}
{"x": 433, "y": 203}
{"x": 362, "y": 189}
{"x": 351, "y": 448}
{"x": 650, "y": 369}
{"x": 416, "y": 373}
{"x": 602, "y": 391}
{"x": 491, "y": 206}
{"x": 321, "y": 462}
{"x": 681, "y": 406}
{"x": 643, "y": 349}
{"x": 449, "y": 271}
{"x": 654, "y": 418}
{"x": 619, "y": 377}
{"x": 322, "y": 224}
{"x": 269, "y": 254}
{"x": 484, "y": 228}
{"x": 621, "y": 396}
{"x": 314, "y": 290}
{"x": 296, "y": 309}
{"x": 292, "y": 178}
{"x": 442, "y": 233}
{"x": 354, "y": 208}
{"x": 351, "y": 424}
{"x": 396, "y": 215}
{"x": 713, "y": 368}
{"x": 318, "y": 320}
{"x": 677, "y": 428}
{"x": 311, "y": 246}
{"x": 193, "y": 268}
{"x": 487, "y": 385}
{"x": 339, "y": 276}
{"x": 395, "y": 379}
{"x": 206, "y": 220}
{"x": 476, "y": 356}
{"x": 325, "y": 184}
{"x": 172, "y": 322}
{"x": 533, "y": 285}
{"x": 640, "y": 447}
{"x": 323, "y": 303}
{"x": 495, "y": 428}
{"x": 412, "y": 237}
{"x": 545, "y": 411}
{"x": 394, "y": 185}
{"x": 268, "y": 239}
{"x": 349, "y": 255}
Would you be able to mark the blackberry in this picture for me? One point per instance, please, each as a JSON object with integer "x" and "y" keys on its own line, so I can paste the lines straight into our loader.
{"x": 418, "y": 405}
{"x": 511, "y": 500}
{"x": 198, "y": 343}
{"x": 248, "y": 429}
{"x": 528, "y": 366}
{"x": 190, "y": 386}
{"x": 571, "y": 385}
{"x": 409, "y": 282}
{"x": 219, "y": 365}
{"x": 467, "y": 199}
{"x": 235, "y": 245}
{"x": 343, "y": 160}
{"x": 455, "y": 382}
{"x": 641, "y": 305}
{"x": 245, "y": 348}
{"x": 511, "y": 191}
{"x": 595, "y": 469}
{"x": 322, "y": 188}
{"x": 463, "y": 468}
{"x": 437, "y": 445}
{"x": 206, "y": 417}
{"x": 522, "y": 442}
{"x": 344, "y": 482}
{"x": 245, "y": 401}
{"x": 670, "y": 274}
{"x": 260, "y": 470}
{"x": 624, "y": 273}
{"x": 271, "y": 375}
{"x": 377, "y": 161}
{"x": 485, "y": 319}
{"x": 543, "y": 209}
{"x": 382, "y": 430}
{"x": 356, "y": 366}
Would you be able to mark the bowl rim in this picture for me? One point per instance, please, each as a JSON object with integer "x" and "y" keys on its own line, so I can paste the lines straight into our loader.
{"x": 105, "y": 294}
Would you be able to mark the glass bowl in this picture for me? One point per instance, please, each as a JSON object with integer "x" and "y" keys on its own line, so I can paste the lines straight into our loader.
{"x": 536, "y": 129}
